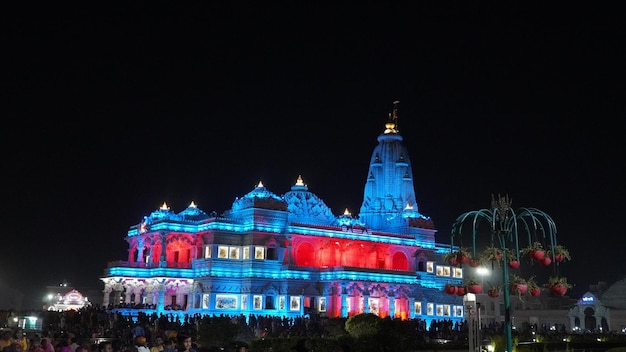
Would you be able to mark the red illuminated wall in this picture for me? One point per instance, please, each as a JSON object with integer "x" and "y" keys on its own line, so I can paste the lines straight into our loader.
{"x": 315, "y": 252}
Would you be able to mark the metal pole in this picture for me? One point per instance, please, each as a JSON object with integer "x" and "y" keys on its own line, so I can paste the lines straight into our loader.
{"x": 507, "y": 300}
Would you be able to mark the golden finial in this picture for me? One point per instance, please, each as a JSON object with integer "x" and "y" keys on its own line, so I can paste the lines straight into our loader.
{"x": 392, "y": 125}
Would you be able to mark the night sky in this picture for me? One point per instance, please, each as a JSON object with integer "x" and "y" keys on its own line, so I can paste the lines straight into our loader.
{"x": 111, "y": 110}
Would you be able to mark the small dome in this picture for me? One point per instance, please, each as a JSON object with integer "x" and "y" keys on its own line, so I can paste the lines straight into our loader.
{"x": 615, "y": 295}
{"x": 305, "y": 207}
{"x": 163, "y": 213}
{"x": 346, "y": 219}
{"x": 193, "y": 213}
{"x": 260, "y": 197}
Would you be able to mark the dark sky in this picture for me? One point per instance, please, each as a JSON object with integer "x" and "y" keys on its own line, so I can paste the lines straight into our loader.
{"x": 110, "y": 110}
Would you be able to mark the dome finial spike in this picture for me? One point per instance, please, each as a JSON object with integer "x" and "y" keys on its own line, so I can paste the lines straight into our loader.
{"x": 394, "y": 114}
{"x": 392, "y": 124}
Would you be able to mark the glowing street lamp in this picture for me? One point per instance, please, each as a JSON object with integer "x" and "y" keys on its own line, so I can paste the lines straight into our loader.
{"x": 482, "y": 271}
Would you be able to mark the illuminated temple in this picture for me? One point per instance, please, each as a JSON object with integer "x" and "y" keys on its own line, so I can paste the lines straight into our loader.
{"x": 289, "y": 255}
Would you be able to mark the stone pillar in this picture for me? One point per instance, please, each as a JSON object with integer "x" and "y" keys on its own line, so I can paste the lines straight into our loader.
{"x": 163, "y": 247}
{"x": 140, "y": 247}
{"x": 107, "y": 294}
{"x": 154, "y": 256}
{"x": 344, "y": 302}
{"x": 411, "y": 308}
{"x": 288, "y": 257}
{"x": 392, "y": 305}
{"x": 192, "y": 297}
{"x": 366, "y": 301}
{"x": 117, "y": 293}
{"x": 138, "y": 295}
{"x": 129, "y": 292}
{"x": 161, "y": 301}
{"x": 179, "y": 298}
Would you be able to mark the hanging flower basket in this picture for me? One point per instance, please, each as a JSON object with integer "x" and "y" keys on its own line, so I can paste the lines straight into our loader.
{"x": 450, "y": 289}
{"x": 450, "y": 258}
{"x": 518, "y": 285}
{"x": 561, "y": 254}
{"x": 460, "y": 291}
{"x": 493, "y": 291}
{"x": 535, "y": 251}
{"x": 463, "y": 255}
{"x": 475, "y": 262}
{"x": 558, "y": 286}
{"x": 533, "y": 288}
{"x": 513, "y": 261}
{"x": 546, "y": 260}
{"x": 492, "y": 254}
{"x": 473, "y": 286}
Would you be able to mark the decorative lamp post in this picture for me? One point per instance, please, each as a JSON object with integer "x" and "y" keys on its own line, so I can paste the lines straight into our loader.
{"x": 505, "y": 228}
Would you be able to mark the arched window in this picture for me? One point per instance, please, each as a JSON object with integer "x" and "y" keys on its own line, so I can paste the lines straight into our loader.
{"x": 400, "y": 262}
{"x": 305, "y": 255}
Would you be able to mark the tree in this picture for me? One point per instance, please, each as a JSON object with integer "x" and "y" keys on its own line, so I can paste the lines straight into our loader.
{"x": 216, "y": 332}
{"x": 364, "y": 324}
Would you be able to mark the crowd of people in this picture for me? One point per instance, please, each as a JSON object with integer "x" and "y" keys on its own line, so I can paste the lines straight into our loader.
{"x": 96, "y": 329}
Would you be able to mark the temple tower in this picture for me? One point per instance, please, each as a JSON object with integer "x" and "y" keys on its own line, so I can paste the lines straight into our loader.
{"x": 389, "y": 197}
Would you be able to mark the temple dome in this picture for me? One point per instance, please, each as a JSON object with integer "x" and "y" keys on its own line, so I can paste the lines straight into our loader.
{"x": 615, "y": 295}
{"x": 193, "y": 213}
{"x": 260, "y": 197}
{"x": 346, "y": 219}
{"x": 305, "y": 207}
{"x": 163, "y": 213}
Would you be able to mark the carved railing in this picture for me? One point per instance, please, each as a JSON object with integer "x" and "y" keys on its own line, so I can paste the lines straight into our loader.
{"x": 127, "y": 264}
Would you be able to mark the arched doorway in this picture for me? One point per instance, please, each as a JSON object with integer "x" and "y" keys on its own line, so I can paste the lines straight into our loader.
{"x": 590, "y": 319}
{"x": 604, "y": 324}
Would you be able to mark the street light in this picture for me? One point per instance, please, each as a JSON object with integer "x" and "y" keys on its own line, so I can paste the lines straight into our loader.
{"x": 505, "y": 226}
{"x": 482, "y": 272}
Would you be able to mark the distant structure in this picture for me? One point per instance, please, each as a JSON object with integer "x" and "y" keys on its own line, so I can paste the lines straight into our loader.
{"x": 290, "y": 256}
{"x": 72, "y": 300}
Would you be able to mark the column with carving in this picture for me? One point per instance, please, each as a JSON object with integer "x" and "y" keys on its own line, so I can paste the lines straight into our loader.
{"x": 163, "y": 254}
{"x": 161, "y": 301}
{"x": 288, "y": 255}
{"x": 108, "y": 288}
{"x": 344, "y": 302}
{"x": 129, "y": 292}
{"x": 392, "y": 304}
{"x": 140, "y": 246}
{"x": 366, "y": 301}
{"x": 117, "y": 293}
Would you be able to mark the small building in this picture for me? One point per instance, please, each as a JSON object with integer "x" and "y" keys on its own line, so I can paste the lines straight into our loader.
{"x": 72, "y": 300}
{"x": 601, "y": 309}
